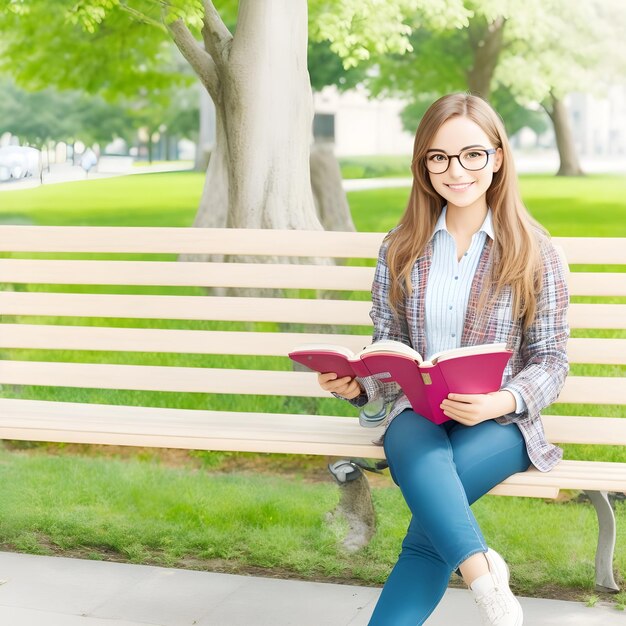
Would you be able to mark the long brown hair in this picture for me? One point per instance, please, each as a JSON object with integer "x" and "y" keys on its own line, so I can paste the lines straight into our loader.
{"x": 517, "y": 260}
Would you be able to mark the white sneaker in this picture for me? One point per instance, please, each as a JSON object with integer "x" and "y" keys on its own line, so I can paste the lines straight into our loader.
{"x": 497, "y": 604}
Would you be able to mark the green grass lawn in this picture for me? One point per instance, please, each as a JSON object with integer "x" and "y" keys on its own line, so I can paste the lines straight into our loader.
{"x": 385, "y": 166}
{"x": 592, "y": 206}
{"x": 142, "y": 510}
{"x": 567, "y": 207}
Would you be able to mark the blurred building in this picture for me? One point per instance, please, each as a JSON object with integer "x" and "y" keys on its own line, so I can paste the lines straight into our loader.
{"x": 599, "y": 124}
{"x": 359, "y": 126}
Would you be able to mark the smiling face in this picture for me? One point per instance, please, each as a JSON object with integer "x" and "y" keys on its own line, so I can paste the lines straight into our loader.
{"x": 462, "y": 188}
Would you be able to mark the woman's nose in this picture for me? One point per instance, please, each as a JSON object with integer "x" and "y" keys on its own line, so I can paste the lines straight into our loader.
{"x": 455, "y": 168}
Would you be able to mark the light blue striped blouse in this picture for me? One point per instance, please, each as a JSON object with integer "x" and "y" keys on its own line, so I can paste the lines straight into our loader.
{"x": 448, "y": 288}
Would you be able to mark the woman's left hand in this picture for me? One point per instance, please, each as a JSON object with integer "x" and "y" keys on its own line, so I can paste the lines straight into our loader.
{"x": 471, "y": 409}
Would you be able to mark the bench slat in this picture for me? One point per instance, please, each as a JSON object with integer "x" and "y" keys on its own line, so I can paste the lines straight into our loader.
{"x": 582, "y": 429}
{"x": 190, "y": 240}
{"x": 597, "y": 284}
{"x": 597, "y": 316}
{"x": 528, "y": 491}
{"x": 593, "y": 390}
{"x": 593, "y": 350}
{"x": 591, "y": 475}
{"x": 253, "y": 275}
{"x": 159, "y": 378}
{"x": 185, "y": 428}
{"x": 250, "y": 241}
{"x": 282, "y": 276}
{"x": 242, "y": 309}
{"x": 254, "y": 432}
{"x": 188, "y": 307}
{"x": 593, "y": 250}
{"x": 577, "y": 389}
{"x": 40, "y": 336}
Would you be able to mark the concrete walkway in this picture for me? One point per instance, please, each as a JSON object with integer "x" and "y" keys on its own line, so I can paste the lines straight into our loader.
{"x": 525, "y": 163}
{"x": 67, "y": 173}
{"x": 53, "y": 591}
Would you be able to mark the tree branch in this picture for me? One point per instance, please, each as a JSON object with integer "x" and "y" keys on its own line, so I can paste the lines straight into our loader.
{"x": 217, "y": 37}
{"x": 142, "y": 17}
{"x": 199, "y": 59}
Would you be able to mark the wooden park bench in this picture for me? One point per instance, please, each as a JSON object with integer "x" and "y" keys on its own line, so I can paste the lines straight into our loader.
{"x": 49, "y": 293}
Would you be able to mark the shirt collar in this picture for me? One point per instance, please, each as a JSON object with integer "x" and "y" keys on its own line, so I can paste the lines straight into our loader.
{"x": 487, "y": 225}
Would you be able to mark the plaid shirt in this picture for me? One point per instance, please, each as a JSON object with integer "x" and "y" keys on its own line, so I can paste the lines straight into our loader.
{"x": 538, "y": 366}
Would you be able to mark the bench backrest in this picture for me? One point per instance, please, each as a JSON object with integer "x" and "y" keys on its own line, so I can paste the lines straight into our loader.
{"x": 60, "y": 282}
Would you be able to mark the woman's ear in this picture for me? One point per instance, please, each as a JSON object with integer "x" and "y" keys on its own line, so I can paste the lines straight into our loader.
{"x": 497, "y": 159}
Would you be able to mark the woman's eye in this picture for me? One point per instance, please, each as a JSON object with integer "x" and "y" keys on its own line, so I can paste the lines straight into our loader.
{"x": 472, "y": 155}
{"x": 438, "y": 157}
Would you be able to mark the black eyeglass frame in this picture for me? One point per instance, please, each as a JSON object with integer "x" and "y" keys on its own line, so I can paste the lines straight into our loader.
{"x": 487, "y": 152}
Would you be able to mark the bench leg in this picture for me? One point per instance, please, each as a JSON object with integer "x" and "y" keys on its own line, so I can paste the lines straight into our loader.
{"x": 355, "y": 506}
{"x": 606, "y": 542}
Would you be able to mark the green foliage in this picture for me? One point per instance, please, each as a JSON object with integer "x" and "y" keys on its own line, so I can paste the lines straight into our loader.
{"x": 326, "y": 68}
{"x": 548, "y": 48}
{"x": 50, "y": 115}
{"x": 94, "y": 46}
{"x": 363, "y": 30}
{"x": 116, "y": 48}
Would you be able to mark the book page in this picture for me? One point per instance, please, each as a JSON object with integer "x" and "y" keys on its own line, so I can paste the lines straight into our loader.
{"x": 484, "y": 348}
{"x": 324, "y": 347}
{"x": 392, "y": 347}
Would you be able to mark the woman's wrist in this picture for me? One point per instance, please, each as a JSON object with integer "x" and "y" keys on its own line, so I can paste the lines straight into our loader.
{"x": 509, "y": 402}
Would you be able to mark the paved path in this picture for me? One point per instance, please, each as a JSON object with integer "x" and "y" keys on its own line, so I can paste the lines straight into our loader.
{"x": 67, "y": 173}
{"x": 542, "y": 162}
{"x": 53, "y": 591}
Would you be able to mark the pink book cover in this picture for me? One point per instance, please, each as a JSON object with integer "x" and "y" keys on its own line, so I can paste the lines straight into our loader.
{"x": 426, "y": 386}
{"x": 324, "y": 361}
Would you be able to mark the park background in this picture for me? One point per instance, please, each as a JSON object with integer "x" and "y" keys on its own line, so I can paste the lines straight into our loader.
{"x": 133, "y": 83}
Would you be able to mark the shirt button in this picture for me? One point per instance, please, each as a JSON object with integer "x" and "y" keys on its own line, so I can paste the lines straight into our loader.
{"x": 450, "y": 307}
{"x": 456, "y": 278}
{"x": 465, "y": 254}
{"x": 454, "y": 334}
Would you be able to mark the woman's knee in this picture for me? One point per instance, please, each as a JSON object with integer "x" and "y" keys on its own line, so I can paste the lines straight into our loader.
{"x": 410, "y": 431}
{"x": 408, "y": 440}
{"x": 487, "y": 456}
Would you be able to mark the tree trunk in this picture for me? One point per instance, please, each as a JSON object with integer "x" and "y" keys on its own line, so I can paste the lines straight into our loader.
{"x": 486, "y": 43}
{"x": 206, "y": 135}
{"x": 260, "y": 85}
{"x": 268, "y": 114}
{"x": 167, "y": 146}
{"x": 569, "y": 163}
{"x": 330, "y": 199}
{"x": 214, "y": 200}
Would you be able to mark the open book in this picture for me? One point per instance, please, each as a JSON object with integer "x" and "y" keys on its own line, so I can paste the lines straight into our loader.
{"x": 471, "y": 369}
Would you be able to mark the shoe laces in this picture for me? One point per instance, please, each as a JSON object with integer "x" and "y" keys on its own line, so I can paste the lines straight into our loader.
{"x": 493, "y": 605}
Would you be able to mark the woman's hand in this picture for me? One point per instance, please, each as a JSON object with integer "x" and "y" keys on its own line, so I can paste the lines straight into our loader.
{"x": 471, "y": 409}
{"x": 346, "y": 387}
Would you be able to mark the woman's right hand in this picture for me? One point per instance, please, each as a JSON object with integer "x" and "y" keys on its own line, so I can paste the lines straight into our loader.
{"x": 346, "y": 387}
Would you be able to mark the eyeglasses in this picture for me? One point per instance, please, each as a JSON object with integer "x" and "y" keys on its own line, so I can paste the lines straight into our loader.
{"x": 472, "y": 159}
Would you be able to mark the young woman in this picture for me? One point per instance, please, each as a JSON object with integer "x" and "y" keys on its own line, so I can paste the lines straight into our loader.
{"x": 466, "y": 265}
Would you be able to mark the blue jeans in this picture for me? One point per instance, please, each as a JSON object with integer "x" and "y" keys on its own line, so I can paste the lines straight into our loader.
{"x": 440, "y": 470}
